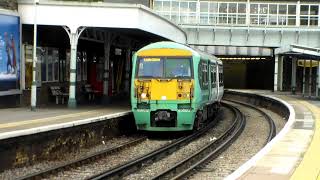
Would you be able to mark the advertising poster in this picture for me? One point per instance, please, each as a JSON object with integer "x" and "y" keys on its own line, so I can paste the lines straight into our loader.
{"x": 9, "y": 52}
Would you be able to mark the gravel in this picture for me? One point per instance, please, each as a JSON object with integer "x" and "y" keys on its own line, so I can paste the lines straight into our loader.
{"x": 111, "y": 161}
{"x": 19, "y": 172}
{"x": 247, "y": 145}
{"x": 149, "y": 171}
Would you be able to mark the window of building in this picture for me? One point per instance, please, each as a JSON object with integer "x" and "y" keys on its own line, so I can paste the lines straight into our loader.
{"x": 309, "y": 15}
{"x": 49, "y": 64}
{"x": 213, "y": 12}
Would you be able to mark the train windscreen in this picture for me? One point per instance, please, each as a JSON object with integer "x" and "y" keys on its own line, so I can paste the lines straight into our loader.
{"x": 164, "y": 68}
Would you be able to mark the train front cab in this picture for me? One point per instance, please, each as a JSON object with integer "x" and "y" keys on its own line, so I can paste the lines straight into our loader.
{"x": 163, "y": 90}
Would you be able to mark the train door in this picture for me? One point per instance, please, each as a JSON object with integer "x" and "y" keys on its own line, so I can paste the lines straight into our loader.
{"x": 213, "y": 82}
{"x": 221, "y": 86}
{"x": 217, "y": 82}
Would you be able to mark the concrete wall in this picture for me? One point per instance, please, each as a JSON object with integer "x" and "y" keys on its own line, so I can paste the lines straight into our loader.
{"x": 9, "y": 4}
{"x": 143, "y": 2}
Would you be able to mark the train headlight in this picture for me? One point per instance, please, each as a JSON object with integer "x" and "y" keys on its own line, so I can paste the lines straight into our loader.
{"x": 143, "y": 95}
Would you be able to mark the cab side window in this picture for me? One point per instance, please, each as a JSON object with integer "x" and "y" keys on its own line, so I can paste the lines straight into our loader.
{"x": 203, "y": 74}
{"x": 220, "y": 75}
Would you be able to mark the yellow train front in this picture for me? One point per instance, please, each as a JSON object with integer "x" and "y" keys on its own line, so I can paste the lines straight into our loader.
{"x": 174, "y": 87}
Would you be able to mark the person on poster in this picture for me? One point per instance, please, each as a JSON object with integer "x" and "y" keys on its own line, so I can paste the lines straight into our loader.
{"x": 14, "y": 57}
{"x": 9, "y": 64}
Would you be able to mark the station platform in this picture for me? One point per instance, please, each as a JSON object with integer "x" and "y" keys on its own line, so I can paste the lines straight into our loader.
{"x": 16, "y": 122}
{"x": 294, "y": 152}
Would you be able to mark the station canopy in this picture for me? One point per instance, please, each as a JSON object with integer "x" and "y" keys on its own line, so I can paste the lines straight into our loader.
{"x": 301, "y": 52}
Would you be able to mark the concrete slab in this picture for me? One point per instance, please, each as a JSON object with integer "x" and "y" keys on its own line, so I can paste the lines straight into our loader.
{"x": 21, "y": 121}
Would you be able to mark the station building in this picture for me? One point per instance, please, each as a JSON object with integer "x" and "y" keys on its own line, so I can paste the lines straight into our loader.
{"x": 272, "y": 45}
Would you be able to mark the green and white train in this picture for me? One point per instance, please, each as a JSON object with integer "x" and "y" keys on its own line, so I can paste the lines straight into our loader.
{"x": 174, "y": 87}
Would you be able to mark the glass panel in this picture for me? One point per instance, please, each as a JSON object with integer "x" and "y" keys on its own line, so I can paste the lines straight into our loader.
{"x": 241, "y": 19}
{"x": 304, "y": 20}
{"x": 282, "y": 20}
{"x": 263, "y": 9}
{"x": 166, "y": 6}
{"x": 263, "y": 20}
{"x": 213, "y": 19}
{"x": 314, "y": 21}
{"x": 43, "y": 69}
{"x": 292, "y": 9}
{"x": 175, "y": 18}
{"x": 291, "y": 20}
{"x": 223, "y": 8}
{"x": 304, "y": 9}
{"x": 213, "y": 7}
{"x": 158, "y": 5}
{"x": 273, "y": 9}
{"x": 192, "y": 6}
{"x": 177, "y": 68}
{"x": 50, "y": 67}
{"x": 253, "y": 19}
{"x": 204, "y": 6}
{"x": 223, "y": 19}
{"x": 183, "y": 18}
{"x": 84, "y": 63}
{"x": 150, "y": 67}
{"x": 254, "y": 9}
{"x": 204, "y": 18}
{"x": 242, "y": 8}
{"x": 166, "y": 15}
{"x": 175, "y": 6}
{"x": 272, "y": 19}
{"x": 192, "y": 18}
{"x": 232, "y": 19}
{"x": 56, "y": 64}
{"x": 282, "y": 9}
{"x": 183, "y": 6}
{"x": 314, "y": 10}
{"x": 232, "y": 8}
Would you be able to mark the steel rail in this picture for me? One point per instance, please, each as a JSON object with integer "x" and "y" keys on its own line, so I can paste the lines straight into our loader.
{"x": 208, "y": 152}
{"x": 129, "y": 167}
{"x": 83, "y": 160}
{"x": 272, "y": 126}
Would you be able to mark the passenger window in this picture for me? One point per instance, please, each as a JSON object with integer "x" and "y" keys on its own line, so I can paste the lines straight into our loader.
{"x": 203, "y": 75}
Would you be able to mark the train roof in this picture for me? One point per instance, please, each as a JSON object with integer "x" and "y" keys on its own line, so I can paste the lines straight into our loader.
{"x": 174, "y": 45}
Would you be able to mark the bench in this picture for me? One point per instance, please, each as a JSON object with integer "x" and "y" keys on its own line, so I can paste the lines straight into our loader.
{"x": 57, "y": 92}
{"x": 87, "y": 88}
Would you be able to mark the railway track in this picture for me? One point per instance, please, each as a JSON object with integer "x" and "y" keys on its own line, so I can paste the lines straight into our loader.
{"x": 120, "y": 171}
{"x": 134, "y": 165}
{"x": 208, "y": 152}
{"x": 254, "y": 136}
{"x": 182, "y": 169}
{"x": 272, "y": 127}
{"x": 87, "y": 159}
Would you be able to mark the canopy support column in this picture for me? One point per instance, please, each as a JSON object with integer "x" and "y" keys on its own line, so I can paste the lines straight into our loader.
{"x": 310, "y": 79}
{"x": 74, "y": 34}
{"x": 318, "y": 80}
{"x": 294, "y": 75}
{"x": 280, "y": 75}
{"x": 127, "y": 75}
{"x": 107, "y": 45}
{"x": 304, "y": 79}
{"x": 276, "y": 67}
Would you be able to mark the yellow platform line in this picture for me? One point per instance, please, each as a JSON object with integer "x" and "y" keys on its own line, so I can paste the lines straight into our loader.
{"x": 309, "y": 168}
{"x": 47, "y": 119}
